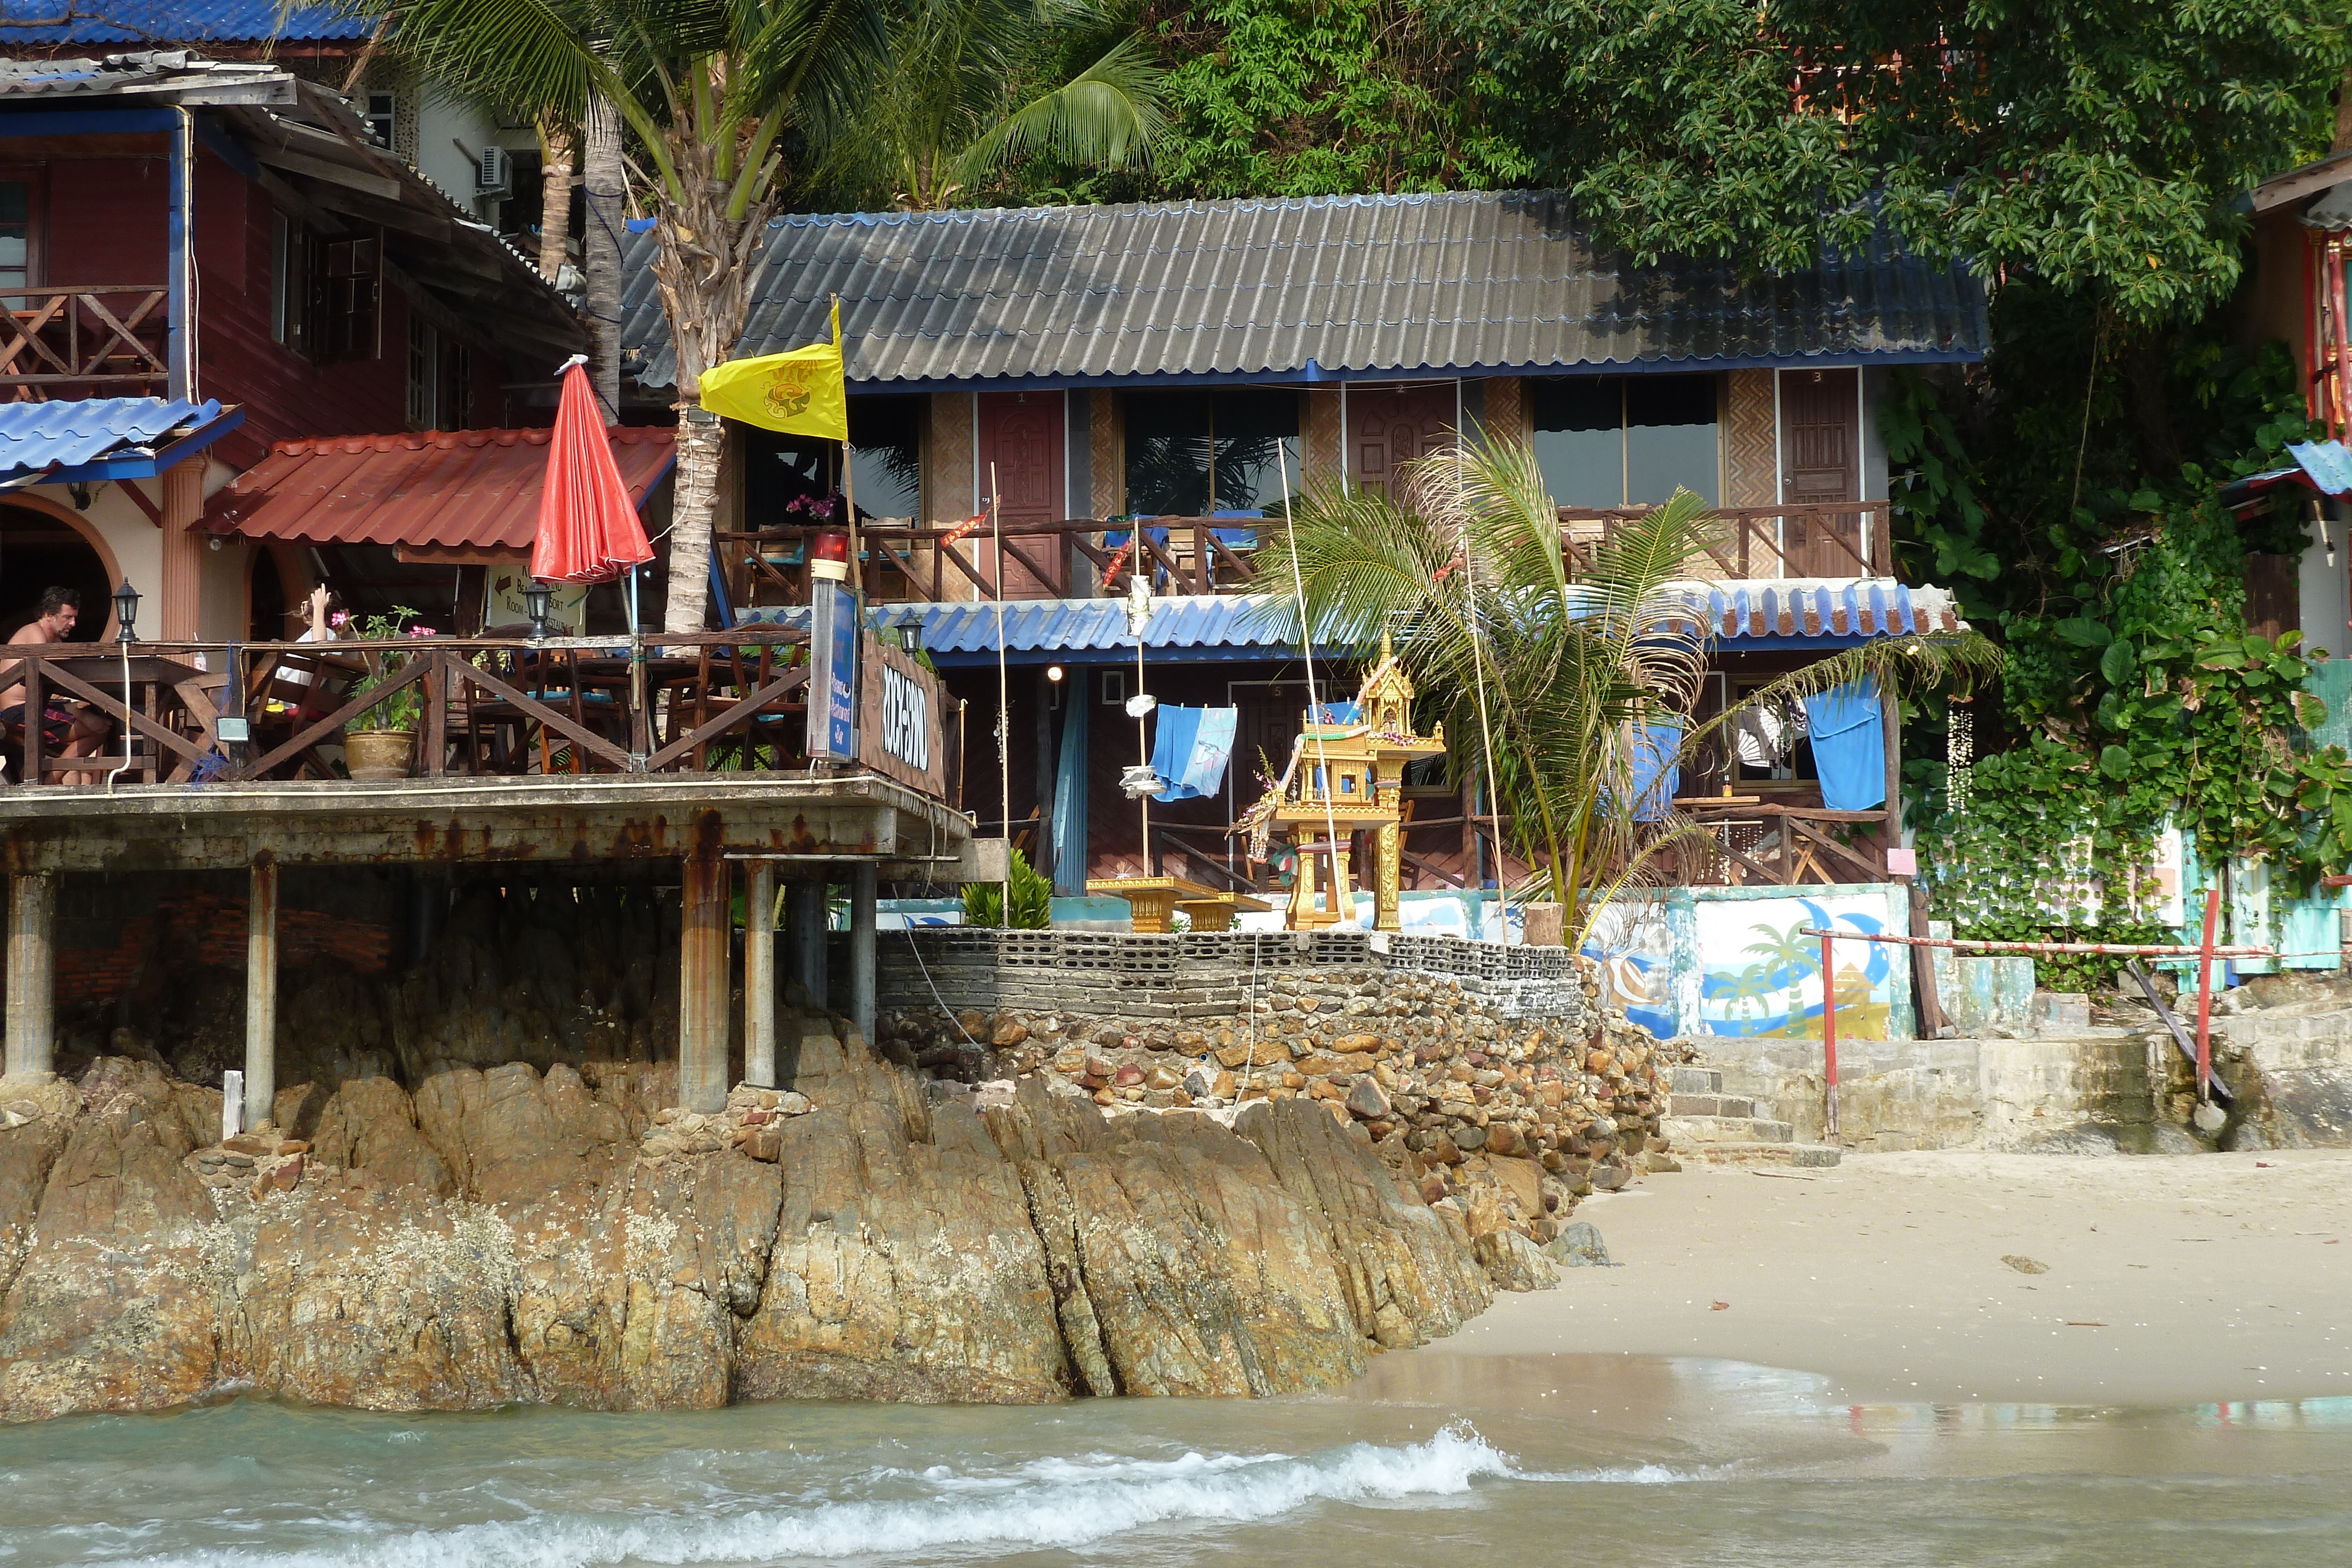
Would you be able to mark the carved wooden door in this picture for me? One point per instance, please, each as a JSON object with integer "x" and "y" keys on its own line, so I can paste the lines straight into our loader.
{"x": 1387, "y": 426}
{"x": 1021, "y": 437}
{"x": 1821, "y": 461}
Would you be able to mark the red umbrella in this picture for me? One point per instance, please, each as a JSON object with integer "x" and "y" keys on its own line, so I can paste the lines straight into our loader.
{"x": 588, "y": 531}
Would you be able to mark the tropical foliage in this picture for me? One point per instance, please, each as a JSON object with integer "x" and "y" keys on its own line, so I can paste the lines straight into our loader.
{"x": 1032, "y": 899}
{"x": 1561, "y": 681}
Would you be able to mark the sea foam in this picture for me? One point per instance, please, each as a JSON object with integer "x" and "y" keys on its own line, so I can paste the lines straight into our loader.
{"x": 1053, "y": 1502}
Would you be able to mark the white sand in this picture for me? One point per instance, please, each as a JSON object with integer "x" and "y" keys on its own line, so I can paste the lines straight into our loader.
{"x": 2170, "y": 1280}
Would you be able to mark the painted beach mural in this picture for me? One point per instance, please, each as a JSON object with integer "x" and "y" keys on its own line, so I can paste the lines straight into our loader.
{"x": 1760, "y": 975}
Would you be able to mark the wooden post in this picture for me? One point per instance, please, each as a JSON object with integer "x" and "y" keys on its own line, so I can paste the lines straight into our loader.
{"x": 702, "y": 982}
{"x": 32, "y": 968}
{"x": 1829, "y": 1042}
{"x": 261, "y": 993}
{"x": 864, "y": 884}
{"x": 759, "y": 973}
{"x": 181, "y": 582}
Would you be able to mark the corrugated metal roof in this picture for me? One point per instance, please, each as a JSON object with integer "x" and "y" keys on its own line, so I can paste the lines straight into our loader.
{"x": 1254, "y": 624}
{"x": 174, "y": 22}
{"x": 459, "y": 491}
{"x": 155, "y": 76}
{"x": 1352, "y": 285}
{"x": 39, "y": 435}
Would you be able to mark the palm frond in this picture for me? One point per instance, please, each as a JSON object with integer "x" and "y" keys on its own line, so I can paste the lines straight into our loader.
{"x": 1107, "y": 117}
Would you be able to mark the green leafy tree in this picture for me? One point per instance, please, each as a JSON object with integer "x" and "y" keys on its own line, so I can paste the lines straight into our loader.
{"x": 1562, "y": 678}
{"x": 966, "y": 100}
{"x": 2093, "y": 143}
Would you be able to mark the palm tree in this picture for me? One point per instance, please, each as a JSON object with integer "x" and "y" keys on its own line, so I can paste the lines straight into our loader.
{"x": 1560, "y": 679}
{"x": 715, "y": 93}
{"x": 948, "y": 116}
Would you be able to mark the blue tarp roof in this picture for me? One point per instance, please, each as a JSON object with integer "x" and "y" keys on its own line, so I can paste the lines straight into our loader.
{"x": 160, "y": 22}
{"x": 1793, "y": 613}
{"x": 36, "y": 436}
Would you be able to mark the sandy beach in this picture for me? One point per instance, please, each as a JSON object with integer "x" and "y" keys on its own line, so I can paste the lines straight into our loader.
{"x": 2164, "y": 1281}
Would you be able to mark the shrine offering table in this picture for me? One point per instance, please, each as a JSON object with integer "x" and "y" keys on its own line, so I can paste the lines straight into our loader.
{"x": 1156, "y": 899}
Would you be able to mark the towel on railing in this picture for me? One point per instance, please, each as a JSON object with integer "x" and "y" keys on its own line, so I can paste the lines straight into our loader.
{"x": 1191, "y": 751}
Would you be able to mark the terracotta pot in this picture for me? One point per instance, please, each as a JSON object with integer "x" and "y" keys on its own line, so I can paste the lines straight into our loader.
{"x": 379, "y": 754}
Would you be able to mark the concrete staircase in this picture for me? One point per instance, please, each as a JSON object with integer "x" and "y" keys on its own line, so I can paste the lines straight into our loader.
{"x": 1703, "y": 1125}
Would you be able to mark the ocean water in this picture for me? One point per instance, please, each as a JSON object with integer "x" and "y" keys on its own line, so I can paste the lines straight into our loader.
{"x": 1436, "y": 1460}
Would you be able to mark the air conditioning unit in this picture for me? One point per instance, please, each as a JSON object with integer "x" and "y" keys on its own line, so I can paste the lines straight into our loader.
{"x": 494, "y": 171}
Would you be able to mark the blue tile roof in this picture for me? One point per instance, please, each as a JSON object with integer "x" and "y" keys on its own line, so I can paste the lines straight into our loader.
{"x": 153, "y": 22}
{"x": 65, "y": 434}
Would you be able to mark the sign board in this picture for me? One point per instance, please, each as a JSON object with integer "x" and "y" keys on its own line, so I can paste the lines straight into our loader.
{"x": 902, "y": 734}
{"x": 567, "y": 602}
{"x": 833, "y": 672}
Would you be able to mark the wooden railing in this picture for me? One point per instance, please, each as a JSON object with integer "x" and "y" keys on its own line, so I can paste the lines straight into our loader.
{"x": 1839, "y": 539}
{"x": 1076, "y": 558}
{"x": 485, "y": 707}
{"x": 1763, "y": 844}
{"x": 58, "y": 341}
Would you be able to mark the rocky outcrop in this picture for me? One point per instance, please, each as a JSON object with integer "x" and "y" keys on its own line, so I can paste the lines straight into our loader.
{"x": 517, "y": 1232}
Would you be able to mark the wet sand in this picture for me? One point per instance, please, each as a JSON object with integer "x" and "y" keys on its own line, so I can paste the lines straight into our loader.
{"x": 2169, "y": 1281}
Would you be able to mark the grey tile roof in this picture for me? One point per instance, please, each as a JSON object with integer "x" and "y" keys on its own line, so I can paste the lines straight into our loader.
{"x": 158, "y": 76}
{"x": 1361, "y": 286}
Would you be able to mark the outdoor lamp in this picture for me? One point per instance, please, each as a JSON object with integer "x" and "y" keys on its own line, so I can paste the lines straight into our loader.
{"x": 910, "y": 632}
{"x": 536, "y": 599}
{"x": 126, "y": 611}
{"x": 1054, "y": 673}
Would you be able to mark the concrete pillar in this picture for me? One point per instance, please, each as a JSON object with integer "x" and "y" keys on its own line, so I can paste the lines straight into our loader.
{"x": 759, "y": 973}
{"x": 808, "y": 915}
{"x": 32, "y": 976}
{"x": 702, "y": 984}
{"x": 181, "y": 582}
{"x": 864, "y": 879}
{"x": 261, "y": 994}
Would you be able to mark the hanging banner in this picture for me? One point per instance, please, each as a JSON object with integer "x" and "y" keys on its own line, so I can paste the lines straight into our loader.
{"x": 901, "y": 731}
{"x": 833, "y": 672}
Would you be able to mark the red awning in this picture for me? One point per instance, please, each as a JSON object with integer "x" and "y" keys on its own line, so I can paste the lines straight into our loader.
{"x": 438, "y": 493}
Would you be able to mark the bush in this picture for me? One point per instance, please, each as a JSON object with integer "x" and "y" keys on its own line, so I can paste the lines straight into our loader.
{"x": 1032, "y": 899}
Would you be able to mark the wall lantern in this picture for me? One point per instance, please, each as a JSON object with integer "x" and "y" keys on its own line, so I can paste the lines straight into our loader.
{"x": 126, "y": 611}
{"x": 536, "y": 599}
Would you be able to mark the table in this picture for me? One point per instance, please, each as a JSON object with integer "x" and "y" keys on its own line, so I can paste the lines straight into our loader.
{"x": 1155, "y": 899}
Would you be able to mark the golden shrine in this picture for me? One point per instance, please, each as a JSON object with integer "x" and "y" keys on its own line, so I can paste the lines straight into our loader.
{"x": 1344, "y": 776}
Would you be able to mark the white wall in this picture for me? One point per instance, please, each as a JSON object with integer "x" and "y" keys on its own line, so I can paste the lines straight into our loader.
{"x": 443, "y": 123}
{"x": 2325, "y": 592}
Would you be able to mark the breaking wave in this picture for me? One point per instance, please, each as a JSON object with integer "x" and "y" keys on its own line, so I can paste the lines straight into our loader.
{"x": 1050, "y": 1502}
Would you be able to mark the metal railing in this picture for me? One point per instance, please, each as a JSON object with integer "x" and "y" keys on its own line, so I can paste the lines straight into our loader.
{"x": 55, "y": 340}
{"x": 484, "y": 706}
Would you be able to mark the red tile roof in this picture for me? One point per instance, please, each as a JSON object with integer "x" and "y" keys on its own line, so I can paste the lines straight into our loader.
{"x": 456, "y": 492}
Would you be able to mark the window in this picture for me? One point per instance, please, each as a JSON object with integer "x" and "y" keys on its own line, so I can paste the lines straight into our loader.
{"x": 345, "y": 293}
{"x": 1190, "y": 454}
{"x": 16, "y": 234}
{"x": 1617, "y": 441}
{"x": 886, "y": 439}
{"x": 383, "y": 115}
{"x": 440, "y": 378}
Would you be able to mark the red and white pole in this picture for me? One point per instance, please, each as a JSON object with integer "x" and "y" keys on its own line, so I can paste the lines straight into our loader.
{"x": 2205, "y": 995}
{"x": 1829, "y": 1042}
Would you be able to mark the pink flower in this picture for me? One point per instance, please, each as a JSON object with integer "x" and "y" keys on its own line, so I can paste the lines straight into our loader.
{"x": 341, "y": 618}
{"x": 421, "y": 631}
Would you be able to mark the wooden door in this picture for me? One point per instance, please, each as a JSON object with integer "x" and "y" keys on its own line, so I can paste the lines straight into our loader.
{"x": 1821, "y": 461}
{"x": 1021, "y": 437}
{"x": 1387, "y": 426}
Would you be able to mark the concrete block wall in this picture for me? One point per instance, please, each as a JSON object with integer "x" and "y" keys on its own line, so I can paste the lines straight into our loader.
{"x": 1197, "y": 977}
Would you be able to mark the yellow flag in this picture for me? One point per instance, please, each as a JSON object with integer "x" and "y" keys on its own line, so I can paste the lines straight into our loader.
{"x": 799, "y": 392}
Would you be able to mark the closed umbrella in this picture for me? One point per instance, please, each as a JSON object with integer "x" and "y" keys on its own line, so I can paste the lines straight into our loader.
{"x": 588, "y": 531}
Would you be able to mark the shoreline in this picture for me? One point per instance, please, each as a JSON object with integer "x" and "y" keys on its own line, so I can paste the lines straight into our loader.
{"x": 2168, "y": 1281}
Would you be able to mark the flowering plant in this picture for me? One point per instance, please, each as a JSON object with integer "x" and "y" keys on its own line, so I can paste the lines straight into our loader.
{"x": 401, "y": 709}
{"x": 816, "y": 508}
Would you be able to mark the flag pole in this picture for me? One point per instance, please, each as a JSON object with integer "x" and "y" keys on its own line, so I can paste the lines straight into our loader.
{"x": 1003, "y": 692}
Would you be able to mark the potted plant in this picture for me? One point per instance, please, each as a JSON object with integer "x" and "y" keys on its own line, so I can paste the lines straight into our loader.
{"x": 381, "y": 743}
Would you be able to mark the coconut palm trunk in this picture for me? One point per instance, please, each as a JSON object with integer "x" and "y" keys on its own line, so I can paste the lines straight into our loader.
{"x": 605, "y": 186}
{"x": 557, "y": 145}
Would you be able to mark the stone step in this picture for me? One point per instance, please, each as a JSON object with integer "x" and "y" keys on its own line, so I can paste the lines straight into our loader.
{"x": 1696, "y": 1080}
{"x": 1803, "y": 1156}
{"x": 1684, "y": 1131}
{"x": 1715, "y": 1105}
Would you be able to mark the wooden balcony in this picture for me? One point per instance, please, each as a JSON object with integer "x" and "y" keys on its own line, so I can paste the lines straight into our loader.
{"x": 483, "y": 707}
{"x": 1843, "y": 539}
{"x": 1065, "y": 559}
{"x": 109, "y": 339}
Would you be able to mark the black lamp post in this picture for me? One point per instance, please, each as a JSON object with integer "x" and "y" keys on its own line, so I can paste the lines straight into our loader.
{"x": 536, "y": 599}
{"x": 126, "y": 611}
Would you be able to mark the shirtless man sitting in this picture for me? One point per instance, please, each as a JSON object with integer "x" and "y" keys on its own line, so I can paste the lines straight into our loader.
{"x": 68, "y": 730}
